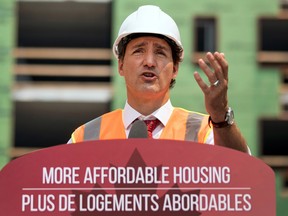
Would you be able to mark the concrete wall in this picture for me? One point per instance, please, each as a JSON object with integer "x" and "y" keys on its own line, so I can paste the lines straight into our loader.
{"x": 6, "y": 61}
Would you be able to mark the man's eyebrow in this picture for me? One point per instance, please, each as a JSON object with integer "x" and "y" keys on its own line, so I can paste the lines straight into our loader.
{"x": 139, "y": 45}
{"x": 157, "y": 45}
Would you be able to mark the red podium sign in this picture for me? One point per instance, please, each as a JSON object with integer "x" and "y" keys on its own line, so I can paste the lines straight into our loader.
{"x": 137, "y": 177}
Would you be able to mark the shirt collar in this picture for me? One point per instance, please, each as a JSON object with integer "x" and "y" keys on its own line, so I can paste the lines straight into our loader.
{"x": 162, "y": 114}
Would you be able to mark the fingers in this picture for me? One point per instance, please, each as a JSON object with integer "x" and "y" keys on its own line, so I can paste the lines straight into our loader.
{"x": 223, "y": 63}
{"x": 206, "y": 69}
{"x": 201, "y": 83}
{"x": 219, "y": 65}
{"x": 216, "y": 66}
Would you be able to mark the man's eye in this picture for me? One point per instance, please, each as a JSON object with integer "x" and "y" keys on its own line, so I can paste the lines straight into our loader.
{"x": 160, "y": 52}
{"x": 138, "y": 51}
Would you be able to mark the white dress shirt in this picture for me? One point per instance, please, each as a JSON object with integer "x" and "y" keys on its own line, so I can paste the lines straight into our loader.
{"x": 162, "y": 114}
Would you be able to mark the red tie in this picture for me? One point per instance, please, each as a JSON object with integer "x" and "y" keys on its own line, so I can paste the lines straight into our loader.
{"x": 151, "y": 125}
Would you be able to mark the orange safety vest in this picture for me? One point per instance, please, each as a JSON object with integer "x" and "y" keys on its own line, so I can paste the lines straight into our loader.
{"x": 182, "y": 125}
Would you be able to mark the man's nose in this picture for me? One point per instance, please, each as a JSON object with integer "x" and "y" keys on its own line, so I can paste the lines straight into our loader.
{"x": 149, "y": 59}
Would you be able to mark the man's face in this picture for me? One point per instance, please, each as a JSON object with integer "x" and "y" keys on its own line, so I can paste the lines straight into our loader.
{"x": 148, "y": 67}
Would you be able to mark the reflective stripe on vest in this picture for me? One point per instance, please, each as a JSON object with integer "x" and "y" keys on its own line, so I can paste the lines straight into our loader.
{"x": 182, "y": 125}
{"x": 193, "y": 126}
{"x": 92, "y": 129}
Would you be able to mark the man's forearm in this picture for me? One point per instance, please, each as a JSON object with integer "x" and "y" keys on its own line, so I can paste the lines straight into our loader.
{"x": 230, "y": 137}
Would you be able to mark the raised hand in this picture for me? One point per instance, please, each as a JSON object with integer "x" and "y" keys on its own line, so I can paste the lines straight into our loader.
{"x": 215, "y": 93}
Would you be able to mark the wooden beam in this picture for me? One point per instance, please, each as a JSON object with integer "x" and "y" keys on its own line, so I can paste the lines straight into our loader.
{"x": 63, "y": 70}
{"x": 197, "y": 55}
{"x": 272, "y": 57}
{"x": 19, "y": 151}
{"x": 275, "y": 161}
{"x": 62, "y": 91}
{"x": 63, "y": 53}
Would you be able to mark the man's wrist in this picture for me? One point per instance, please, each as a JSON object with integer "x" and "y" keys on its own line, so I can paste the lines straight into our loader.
{"x": 228, "y": 120}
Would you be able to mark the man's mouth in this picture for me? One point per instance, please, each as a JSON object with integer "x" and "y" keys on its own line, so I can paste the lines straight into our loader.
{"x": 149, "y": 75}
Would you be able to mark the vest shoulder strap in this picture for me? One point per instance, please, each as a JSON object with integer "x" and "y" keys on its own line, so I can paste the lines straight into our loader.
{"x": 187, "y": 125}
{"x": 107, "y": 126}
{"x": 112, "y": 126}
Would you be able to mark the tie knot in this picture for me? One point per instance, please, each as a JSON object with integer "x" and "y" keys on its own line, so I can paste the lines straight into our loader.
{"x": 151, "y": 125}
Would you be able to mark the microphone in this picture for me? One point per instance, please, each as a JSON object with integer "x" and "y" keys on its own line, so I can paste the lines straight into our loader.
{"x": 138, "y": 130}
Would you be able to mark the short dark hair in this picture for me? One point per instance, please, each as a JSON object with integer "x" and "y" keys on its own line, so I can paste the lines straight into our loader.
{"x": 176, "y": 50}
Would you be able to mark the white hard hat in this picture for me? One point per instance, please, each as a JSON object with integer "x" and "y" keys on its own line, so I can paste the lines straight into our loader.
{"x": 149, "y": 19}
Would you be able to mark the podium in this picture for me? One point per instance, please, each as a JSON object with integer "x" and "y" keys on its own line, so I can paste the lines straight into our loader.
{"x": 137, "y": 177}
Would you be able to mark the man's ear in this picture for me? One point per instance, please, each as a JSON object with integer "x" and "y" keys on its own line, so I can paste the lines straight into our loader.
{"x": 120, "y": 67}
{"x": 175, "y": 70}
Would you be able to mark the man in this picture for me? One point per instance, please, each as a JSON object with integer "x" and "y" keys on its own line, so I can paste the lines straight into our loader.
{"x": 149, "y": 50}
